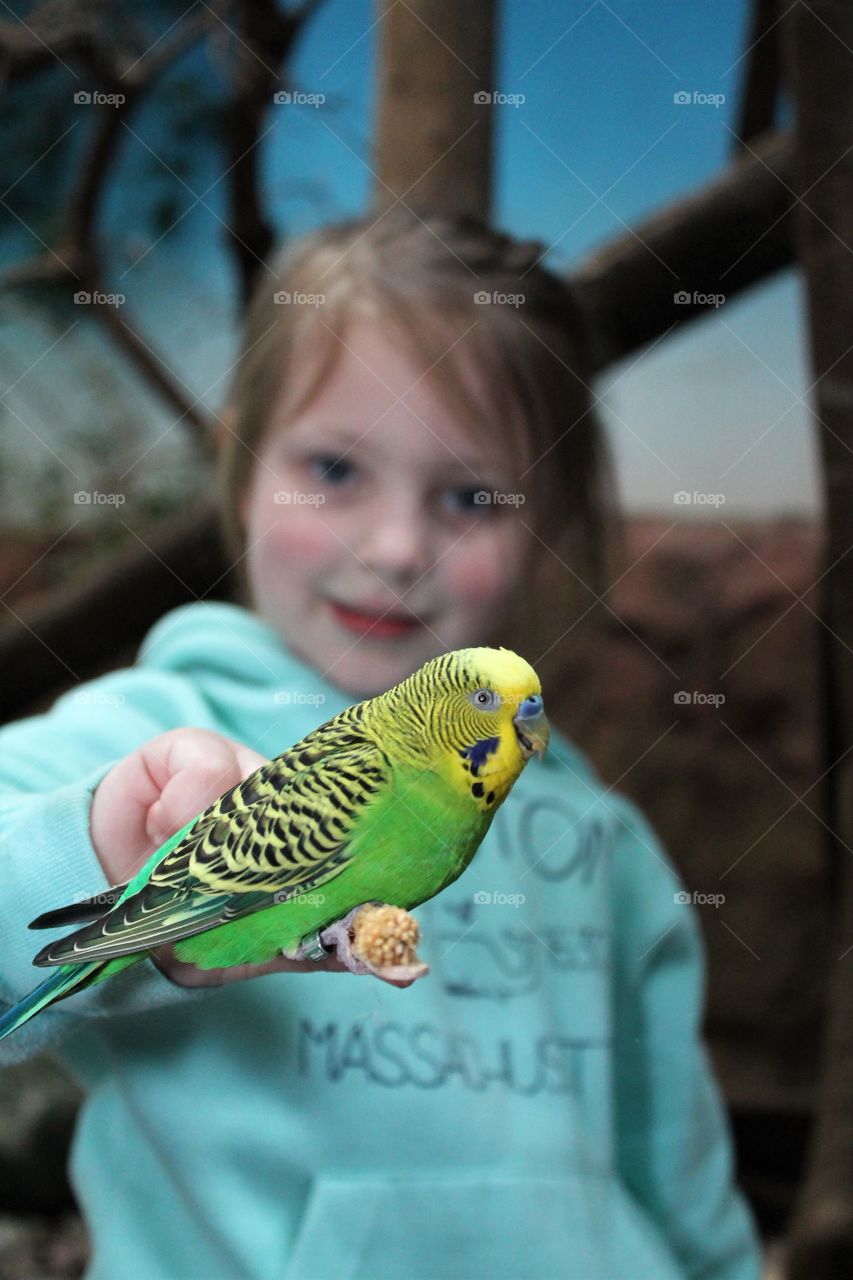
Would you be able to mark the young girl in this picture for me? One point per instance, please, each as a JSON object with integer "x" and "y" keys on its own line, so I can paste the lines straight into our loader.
{"x": 410, "y": 464}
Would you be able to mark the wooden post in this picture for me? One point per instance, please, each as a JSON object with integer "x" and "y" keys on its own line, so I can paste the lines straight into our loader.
{"x": 761, "y": 83}
{"x": 818, "y": 43}
{"x": 433, "y": 137}
{"x": 731, "y": 233}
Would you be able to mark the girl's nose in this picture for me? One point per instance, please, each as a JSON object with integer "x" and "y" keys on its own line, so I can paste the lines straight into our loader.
{"x": 394, "y": 542}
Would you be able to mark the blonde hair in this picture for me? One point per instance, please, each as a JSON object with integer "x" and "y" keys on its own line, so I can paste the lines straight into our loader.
{"x": 459, "y": 296}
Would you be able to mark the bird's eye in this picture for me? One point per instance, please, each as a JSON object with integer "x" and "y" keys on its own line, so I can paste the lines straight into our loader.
{"x": 485, "y": 699}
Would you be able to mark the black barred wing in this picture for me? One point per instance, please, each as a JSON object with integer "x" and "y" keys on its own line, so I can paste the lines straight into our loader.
{"x": 345, "y": 733}
{"x": 285, "y": 833}
{"x": 285, "y": 841}
{"x": 265, "y": 824}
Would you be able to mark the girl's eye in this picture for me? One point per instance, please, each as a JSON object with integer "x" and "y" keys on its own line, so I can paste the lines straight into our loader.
{"x": 472, "y": 500}
{"x": 330, "y": 469}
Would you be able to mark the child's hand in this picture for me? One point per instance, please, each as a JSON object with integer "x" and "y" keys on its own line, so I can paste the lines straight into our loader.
{"x": 150, "y": 795}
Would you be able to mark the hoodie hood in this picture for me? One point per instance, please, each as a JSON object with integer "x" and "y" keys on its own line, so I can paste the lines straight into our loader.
{"x": 241, "y": 669}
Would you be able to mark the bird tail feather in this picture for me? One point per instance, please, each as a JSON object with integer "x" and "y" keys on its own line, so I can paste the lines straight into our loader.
{"x": 87, "y": 909}
{"x": 59, "y": 984}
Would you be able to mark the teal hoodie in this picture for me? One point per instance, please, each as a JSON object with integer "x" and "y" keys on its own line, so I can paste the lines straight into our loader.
{"x": 540, "y": 1105}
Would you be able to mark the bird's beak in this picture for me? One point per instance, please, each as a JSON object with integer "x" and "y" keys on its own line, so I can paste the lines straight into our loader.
{"x": 531, "y": 727}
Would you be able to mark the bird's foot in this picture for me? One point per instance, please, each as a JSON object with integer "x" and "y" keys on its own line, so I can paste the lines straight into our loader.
{"x": 372, "y": 938}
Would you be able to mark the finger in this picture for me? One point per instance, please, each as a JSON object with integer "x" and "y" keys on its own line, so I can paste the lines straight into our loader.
{"x": 205, "y": 766}
{"x": 188, "y": 975}
{"x": 330, "y": 965}
{"x": 248, "y": 760}
{"x": 282, "y": 964}
{"x": 191, "y": 790}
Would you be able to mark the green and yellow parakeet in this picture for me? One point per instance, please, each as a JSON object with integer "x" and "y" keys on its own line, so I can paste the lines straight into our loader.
{"x": 387, "y": 802}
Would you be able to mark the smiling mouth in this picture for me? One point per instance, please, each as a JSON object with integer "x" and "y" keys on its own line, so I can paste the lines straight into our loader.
{"x": 379, "y": 624}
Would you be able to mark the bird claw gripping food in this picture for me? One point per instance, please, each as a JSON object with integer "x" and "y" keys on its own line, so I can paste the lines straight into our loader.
{"x": 372, "y": 938}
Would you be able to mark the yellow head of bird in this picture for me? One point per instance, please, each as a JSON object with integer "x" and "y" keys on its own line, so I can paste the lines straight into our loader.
{"x": 480, "y": 706}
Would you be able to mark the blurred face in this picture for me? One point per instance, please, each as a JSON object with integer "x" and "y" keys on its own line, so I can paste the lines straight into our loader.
{"x": 369, "y": 551}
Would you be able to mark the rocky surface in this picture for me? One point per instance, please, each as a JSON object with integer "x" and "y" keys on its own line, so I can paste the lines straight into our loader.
{"x": 38, "y": 1103}
{"x": 709, "y": 612}
{"x": 42, "y": 1248}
